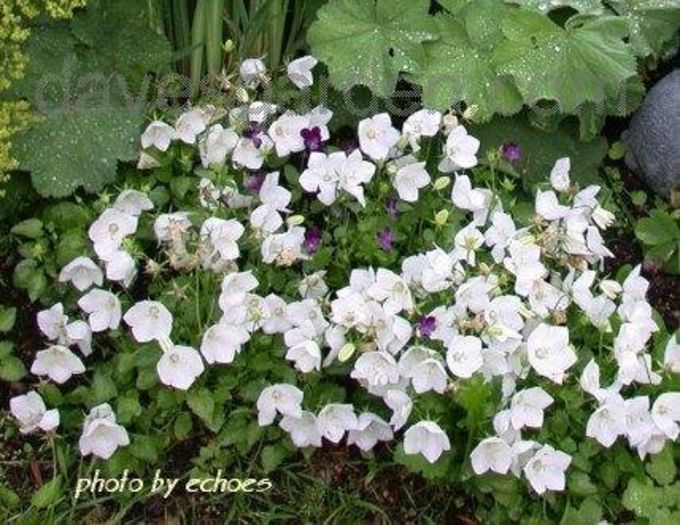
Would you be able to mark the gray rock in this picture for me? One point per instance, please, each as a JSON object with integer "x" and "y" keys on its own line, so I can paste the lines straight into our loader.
{"x": 653, "y": 139}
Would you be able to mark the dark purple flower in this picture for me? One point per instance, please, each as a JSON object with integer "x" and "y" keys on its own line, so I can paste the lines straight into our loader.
{"x": 348, "y": 145}
{"x": 385, "y": 239}
{"x": 511, "y": 151}
{"x": 254, "y": 132}
{"x": 391, "y": 206}
{"x": 312, "y": 240}
{"x": 312, "y": 138}
{"x": 427, "y": 325}
{"x": 254, "y": 182}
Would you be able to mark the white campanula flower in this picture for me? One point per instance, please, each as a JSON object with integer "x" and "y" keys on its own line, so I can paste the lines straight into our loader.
{"x": 369, "y": 430}
{"x": 302, "y": 430}
{"x": 321, "y": 175}
{"x": 102, "y": 436}
{"x": 180, "y": 366}
{"x": 429, "y": 374}
{"x": 147, "y": 162}
{"x": 250, "y": 314}
{"x": 307, "y": 313}
{"x": 30, "y": 412}
{"x": 300, "y": 71}
{"x": 334, "y": 420}
{"x": 222, "y": 342}
{"x": 235, "y": 288}
{"x": 464, "y": 355}
{"x": 109, "y": 230}
{"x": 103, "y": 308}
{"x": 544, "y": 298}
{"x": 274, "y": 199}
{"x": 377, "y": 368}
{"x": 216, "y": 145}
{"x": 377, "y": 136}
{"x": 473, "y": 295}
{"x": 223, "y": 235}
{"x": 467, "y": 241}
{"x": 253, "y": 72}
{"x": 284, "y": 248}
{"x": 422, "y": 123}
{"x": 498, "y": 235}
{"x": 549, "y": 352}
{"x": 159, "y": 135}
{"x": 58, "y": 363}
{"x": 527, "y": 406}
{"x": 401, "y": 405}
{"x": 303, "y": 350}
{"x": 149, "y": 320}
{"x": 671, "y": 355}
{"x": 250, "y": 153}
{"x": 52, "y": 323}
{"x": 432, "y": 271}
{"x": 277, "y": 322}
{"x": 590, "y": 381}
{"x": 352, "y": 173}
{"x": 259, "y": 111}
{"x": 82, "y": 272}
{"x": 465, "y": 197}
{"x": 608, "y": 422}
{"x": 410, "y": 177}
{"x": 559, "y": 175}
{"x": 493, "y": 454}
{"x": 282, "y": 398}
{"x": 171, "y": 226}
{"x": 191, "y": 124}
{"x": 460, "y": 151}
{"x": 285, "y": 131}
{"x": 545, "y": 470}
{"x": 313, "y": 286}
{"x": 666, "y": 414}
{"x": 132, "y": 202}
{"x": 392, "y": 291}
{"x": 548, "y": 207}
{"x": 80, "y": 334}
{"x": 426, "y": 438}
{"x": 635, "y": 286}
{"x": 120, "y": 267}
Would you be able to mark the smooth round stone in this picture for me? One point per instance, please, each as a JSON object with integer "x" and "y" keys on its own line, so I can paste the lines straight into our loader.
{"x": 653, "y": 139}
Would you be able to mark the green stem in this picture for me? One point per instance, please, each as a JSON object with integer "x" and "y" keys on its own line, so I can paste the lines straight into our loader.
{"x": 182, "y": 32}
{"x": 213, "y": 35}
{"x": 197, "y": 45}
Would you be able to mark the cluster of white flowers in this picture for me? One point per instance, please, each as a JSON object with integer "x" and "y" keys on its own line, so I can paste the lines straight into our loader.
{"x": 494, "y": 303}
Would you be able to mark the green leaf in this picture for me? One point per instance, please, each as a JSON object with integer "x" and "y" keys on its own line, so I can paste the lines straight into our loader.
{"x": 653, "y": 23}
{"x": 77, "y": 148}
{"x": 201, "y": 403}
{"x": 639, "y": 496}
{"x": 540, "y": 149}
{"x": 662, "y": 466}
{"x": 31, "y": 228}
{"x": 128, "y": 408}
{"x": 272, "y": 456}
{"x": 589, "y": 513}
{"x": 47, "y": 494}
{"x": 9, "y": 498}
{"x": 657, "y": 229}
{"x": 587, "y": 7}
{"x": 8, "y": 316}
{"x": 145, "y": 447}
{"x": 103, "y": 387}
{"x": 182, "y": 426}
{"x": 370, "y": 41}
{"x": 459, "y": 70}
{"x": 571, "y": 65}
{"x": 12, "y": 369}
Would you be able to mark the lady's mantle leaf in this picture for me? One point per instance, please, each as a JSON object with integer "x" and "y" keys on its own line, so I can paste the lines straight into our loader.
{"x": 369, "y": 43}
{"x": 459, "y": 69}
{"x": 571, "y": 65}
{"x": 653, "y": 23}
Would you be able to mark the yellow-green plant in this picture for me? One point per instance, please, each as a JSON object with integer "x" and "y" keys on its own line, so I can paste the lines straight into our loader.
{"x": 15, "y": 17}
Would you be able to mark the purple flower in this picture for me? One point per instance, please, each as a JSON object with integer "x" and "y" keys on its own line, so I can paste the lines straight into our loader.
{"x": 254, "y": 182}
{"x": 312, "y": 138}
{"x": 312, "y": 240}
{"x": 427, "y": 325}
{"x": 253, "y": 132}
{"x": 385, "y": 239}
{"x": 391, "y": 206}
{"x": 511, "y": 151}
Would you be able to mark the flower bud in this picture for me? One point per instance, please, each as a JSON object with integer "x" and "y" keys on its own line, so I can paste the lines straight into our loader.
{"x": 242, "y": 95}
{"x": 441, "y": 217}
{"x": 295, "y": 220}
{"x": 228, "y": 46}
{"x": 346, "y": 352}
{"x": 442, "y": 182}
{"x": 471, "y": 112}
